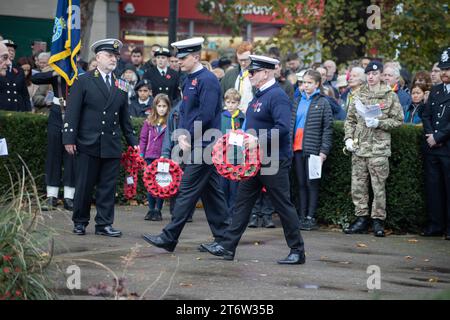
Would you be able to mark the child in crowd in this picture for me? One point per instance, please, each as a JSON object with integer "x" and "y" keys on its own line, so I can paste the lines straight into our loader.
{"x": 151, "y": 139}
{"x": 232, "y": 119}
{"x": 141, "y": 106}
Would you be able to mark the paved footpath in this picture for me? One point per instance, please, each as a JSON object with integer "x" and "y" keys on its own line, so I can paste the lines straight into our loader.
{"x": 411, "y": 267}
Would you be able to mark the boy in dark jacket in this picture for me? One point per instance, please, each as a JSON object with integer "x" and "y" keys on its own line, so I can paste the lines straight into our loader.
{"x": 232, "y": 119}
{"x": 141, "y": 106}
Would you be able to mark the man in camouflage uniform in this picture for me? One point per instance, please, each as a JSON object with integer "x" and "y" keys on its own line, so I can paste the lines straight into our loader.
{"x": 370, "y": 141}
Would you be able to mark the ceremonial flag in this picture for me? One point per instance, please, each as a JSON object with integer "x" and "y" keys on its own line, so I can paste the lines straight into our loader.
{"x": 66, "y": 41}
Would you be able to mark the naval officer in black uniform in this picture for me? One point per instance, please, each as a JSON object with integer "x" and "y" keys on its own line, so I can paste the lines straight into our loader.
{"x": 162, "y": 78}
{"x": 269, "y": 110}
{"x": 14, "y": 94}
{"x": 97, "y": 112}
{"x": 202, "y": 103}
{"x": 57, "y": 156}
{"x": 436, "y": 125}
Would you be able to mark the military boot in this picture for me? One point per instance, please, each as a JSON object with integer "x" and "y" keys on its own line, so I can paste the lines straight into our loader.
{"x": 361, "y": 225}
{"x": 378, "y": 228}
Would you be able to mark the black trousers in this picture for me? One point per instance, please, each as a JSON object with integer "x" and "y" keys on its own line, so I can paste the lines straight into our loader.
{"x": 199, "y": 180}
{"x": 58, "y": 162}
{"x": 437, "y": 189}
{"x": 308, "y": 191}
{"x": 263, "y": 206}
{"x": 100, "y": 173}
{"x": 277, "y": 187}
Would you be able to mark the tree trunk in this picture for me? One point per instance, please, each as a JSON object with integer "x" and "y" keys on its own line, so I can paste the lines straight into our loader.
{"x": 87, "y": 12}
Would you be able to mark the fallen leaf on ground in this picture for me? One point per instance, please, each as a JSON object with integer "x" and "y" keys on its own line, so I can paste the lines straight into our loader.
{"x": 323, "y": 257}
{"x": 186, "y": 285}
{"x": 256, "y": 243}
{"x": 198, "y": 258}
{"x": 413, "y": 240}
{"x": 427, "y": 260}
{"x": 433, "y": 280}
{"x": 361, "y": 245}
{"x": 263, "y": 275}
{"x": 408, "y": 257}
{"x": 344, "y": 262}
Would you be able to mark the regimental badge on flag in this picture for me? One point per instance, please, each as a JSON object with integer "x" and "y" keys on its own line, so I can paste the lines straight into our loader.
{"x": 66, "y": 41}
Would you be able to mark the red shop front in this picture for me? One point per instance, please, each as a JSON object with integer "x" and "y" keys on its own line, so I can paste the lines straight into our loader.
{"x": 145, "y": 22}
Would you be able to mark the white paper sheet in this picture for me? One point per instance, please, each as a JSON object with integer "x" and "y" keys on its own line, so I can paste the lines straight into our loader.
{"x": 314, "y": 167}
{"x": 3, "y": 147}
{"x": 369, "y": 111}
{"x": 163, "y": 167}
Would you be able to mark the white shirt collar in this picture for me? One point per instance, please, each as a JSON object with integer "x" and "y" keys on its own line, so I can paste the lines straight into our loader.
{"x": 198, "y": 68}
{"x": 161, "y": 70}
{"x": 267, "y": 85}
{"x": 144, "y": 102}
{"x": 104, "y": 75}
{"x": 448, "y": 87}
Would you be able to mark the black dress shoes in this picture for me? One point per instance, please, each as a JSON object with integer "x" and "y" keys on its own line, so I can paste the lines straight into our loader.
{"x": 159, "y": 242}
{"x": 108, "y": 231}
{"x": 149, "y": 215}
{"x": 157, "y": 216}
{"x": 267, "y": 221}
{"x": 361, "y": 225}
{"x": 219, "y": 251}
{"x": 447, "y": 237}
{"x": 68, "y": 204}
{"x": 254, "y": 221}
{"x": 378, "y": 228}
{"x": 50, "y": 204}
{"x": 79, "y": 229}
{"x": 202, "y": 249}
{"x": 293, "y": 258}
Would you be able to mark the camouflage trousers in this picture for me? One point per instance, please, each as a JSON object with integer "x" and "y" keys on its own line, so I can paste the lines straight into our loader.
{"x": 377, "y": 168}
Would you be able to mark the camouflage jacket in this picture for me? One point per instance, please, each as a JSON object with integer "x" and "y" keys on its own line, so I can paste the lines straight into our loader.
{"x": 373, "y": 142}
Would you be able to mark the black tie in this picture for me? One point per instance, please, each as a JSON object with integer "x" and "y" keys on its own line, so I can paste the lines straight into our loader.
{"x": 108, "y": 84}
{"x": 163, "y": 73}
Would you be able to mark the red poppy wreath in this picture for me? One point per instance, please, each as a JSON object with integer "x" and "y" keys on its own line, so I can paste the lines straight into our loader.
{"x": 132, "y": 163}
{"x": 162, "y": 178}
{"x": 233, "y": 159}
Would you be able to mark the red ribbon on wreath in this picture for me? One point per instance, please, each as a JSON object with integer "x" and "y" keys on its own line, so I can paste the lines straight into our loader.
{"x": 162, "y": 184}
{"x": 243, "y": 170}
{"x": 133, "y": 163}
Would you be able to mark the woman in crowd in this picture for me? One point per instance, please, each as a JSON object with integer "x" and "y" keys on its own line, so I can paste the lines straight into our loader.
{"x": 313, "y": 130}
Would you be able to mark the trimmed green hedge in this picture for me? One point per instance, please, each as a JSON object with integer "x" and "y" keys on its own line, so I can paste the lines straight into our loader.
{"x": 26, "y": 134}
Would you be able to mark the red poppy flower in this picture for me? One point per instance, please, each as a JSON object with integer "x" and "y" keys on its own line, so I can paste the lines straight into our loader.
{"x": 168, "y": 77}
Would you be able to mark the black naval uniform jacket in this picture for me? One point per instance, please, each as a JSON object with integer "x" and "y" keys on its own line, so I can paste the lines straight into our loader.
{"x": 169, "y": 84}
{"x": 436, "y": 120}
{"x": 14, "y": 94}
{"x": 96, "y": 117}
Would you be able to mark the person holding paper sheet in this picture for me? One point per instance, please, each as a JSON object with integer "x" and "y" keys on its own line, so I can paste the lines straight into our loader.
{"x": 370, "y": 141}
{"x": 150, "y": 144}
{"x": 312, "y": 136}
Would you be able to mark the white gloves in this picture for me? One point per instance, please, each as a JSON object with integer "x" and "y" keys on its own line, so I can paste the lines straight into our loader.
{"x": 349, "y": 145}
{"x": 372, "y": 122}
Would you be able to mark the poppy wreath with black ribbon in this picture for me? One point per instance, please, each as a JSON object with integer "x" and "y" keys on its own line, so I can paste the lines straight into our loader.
{"x": 159, "y": 184}
{"x": 132, "y": 163}
{"x": 239, "y": 164}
